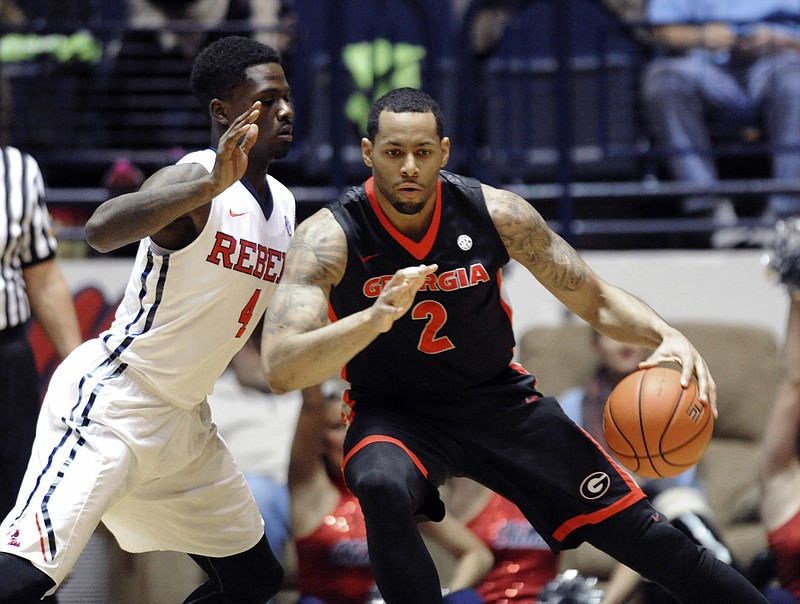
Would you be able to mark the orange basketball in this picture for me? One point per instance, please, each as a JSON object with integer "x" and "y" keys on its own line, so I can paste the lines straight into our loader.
{"x": 654, "y": 427}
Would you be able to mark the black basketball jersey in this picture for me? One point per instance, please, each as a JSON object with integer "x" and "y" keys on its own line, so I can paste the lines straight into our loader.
{"x": 458, "y": 331}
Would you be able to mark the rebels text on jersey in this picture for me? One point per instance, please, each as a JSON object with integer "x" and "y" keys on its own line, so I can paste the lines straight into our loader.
{"x": 185, "y": 313}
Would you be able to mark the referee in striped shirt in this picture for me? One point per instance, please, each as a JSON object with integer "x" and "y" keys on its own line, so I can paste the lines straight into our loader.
{"x": 30, "y": 283}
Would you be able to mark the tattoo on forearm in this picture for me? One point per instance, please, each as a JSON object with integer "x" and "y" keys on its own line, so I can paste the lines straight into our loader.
{"x": 521, "y": 227}
{"x": 531, "y": 242}
{"x": 565, "y": 269}
{"x": 316, "y": 262}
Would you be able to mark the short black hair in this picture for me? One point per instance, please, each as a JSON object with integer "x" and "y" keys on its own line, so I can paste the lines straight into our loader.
{"x": 404, "y": 100}
{"x": 220, "y": 66}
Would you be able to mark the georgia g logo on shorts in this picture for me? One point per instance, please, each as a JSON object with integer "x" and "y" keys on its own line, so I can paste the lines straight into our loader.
{"x": 595, "y": 485}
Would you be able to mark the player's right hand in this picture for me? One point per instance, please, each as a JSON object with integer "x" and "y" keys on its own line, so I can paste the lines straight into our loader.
{"x": 398, "y": 294}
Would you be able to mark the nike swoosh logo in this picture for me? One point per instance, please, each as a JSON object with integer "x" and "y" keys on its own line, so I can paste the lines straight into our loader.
{"x": 370, "y": 257}
{"x": 530, "y": 399}
{"x": 236, "y": 214}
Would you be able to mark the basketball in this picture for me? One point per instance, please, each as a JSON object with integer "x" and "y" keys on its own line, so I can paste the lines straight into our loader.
{"x": 654, "y": 427}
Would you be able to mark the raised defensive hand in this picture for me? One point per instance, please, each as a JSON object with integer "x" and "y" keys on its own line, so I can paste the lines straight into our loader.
{"x": 399, "y": 292}
{"x": 234, "y": 146}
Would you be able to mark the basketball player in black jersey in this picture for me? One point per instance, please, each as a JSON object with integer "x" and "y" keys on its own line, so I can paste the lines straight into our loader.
{"x": 399, "y": 283}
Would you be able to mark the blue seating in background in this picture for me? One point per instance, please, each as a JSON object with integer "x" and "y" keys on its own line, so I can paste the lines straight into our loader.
{"x": 551, "y": 110}
{"x": 512, "y": 115}
{"x": 352, "y": 51}
{"x": 557, "y": 93}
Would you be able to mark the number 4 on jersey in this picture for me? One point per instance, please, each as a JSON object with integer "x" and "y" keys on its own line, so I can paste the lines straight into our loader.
{"x": 247, "y": 312}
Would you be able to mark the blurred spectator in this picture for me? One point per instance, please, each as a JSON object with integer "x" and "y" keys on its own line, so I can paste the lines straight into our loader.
{"x": 10, "y": 16}
{"x": 489, "y": 24}
{"x": 779, "y": 468}
{"x": 725, "y": 60}
{"x": 779, "y": 461}
{"x": 682, "y": 498}
{"x": 10, "y": 13}
{"x": 523, "y": 562}
{"x": 273, "y": 23}
{"x": 176, "y": 20}
{"x": 123, "y": 177}
{"x": 270, "y": 20}
{"x": 157, "y": 45}
{"x": 628, "y": 10}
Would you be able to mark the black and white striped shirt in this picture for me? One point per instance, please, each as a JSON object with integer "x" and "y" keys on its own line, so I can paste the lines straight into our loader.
{"x": 26, "y": 233}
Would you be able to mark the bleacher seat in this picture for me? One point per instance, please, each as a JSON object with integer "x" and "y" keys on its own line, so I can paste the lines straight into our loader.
{"x": 560, "y": 85}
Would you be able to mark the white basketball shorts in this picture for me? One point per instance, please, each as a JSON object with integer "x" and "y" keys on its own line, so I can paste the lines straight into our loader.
{"x": 158, "y": 476}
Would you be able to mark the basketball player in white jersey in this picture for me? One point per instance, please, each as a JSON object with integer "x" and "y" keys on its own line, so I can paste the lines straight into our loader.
{"x": 125, "y": 434}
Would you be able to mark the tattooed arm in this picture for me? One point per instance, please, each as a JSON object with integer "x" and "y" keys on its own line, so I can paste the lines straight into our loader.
{"x": 609, "y": 309}
{"x": 299, "y": 347}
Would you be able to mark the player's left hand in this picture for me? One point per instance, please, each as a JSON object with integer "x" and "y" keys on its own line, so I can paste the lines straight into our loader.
{"x": 675, "y": 347}
{"x": 234, "y": 146}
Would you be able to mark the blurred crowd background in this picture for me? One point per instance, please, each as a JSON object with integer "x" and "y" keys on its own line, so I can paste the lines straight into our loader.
{"x": 542, "y": 96}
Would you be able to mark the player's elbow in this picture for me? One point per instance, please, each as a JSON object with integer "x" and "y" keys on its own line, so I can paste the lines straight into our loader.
{"x": 278, "y": 388}
{"x": 277, "y": 380}
{"x": 98, "y": 237}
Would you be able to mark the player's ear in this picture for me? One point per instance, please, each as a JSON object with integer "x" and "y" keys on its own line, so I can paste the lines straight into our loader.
{"x": 445, "y": 146}
{"x": 219, "y": 111}
{"x": 366, "y": 151}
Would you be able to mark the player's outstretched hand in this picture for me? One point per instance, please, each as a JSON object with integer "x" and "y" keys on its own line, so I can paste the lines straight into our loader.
{"x": 234, "y": 146}
{"x": 398, "y": 294}
{"x": 675, "y": 347}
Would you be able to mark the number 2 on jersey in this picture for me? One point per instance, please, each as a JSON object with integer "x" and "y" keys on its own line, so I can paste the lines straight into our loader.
{"x": 247, "y": 312}
{"x": 436, "y": 315}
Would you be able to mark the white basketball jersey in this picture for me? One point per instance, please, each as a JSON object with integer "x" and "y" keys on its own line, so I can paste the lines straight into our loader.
{"x": 186, "y": 313}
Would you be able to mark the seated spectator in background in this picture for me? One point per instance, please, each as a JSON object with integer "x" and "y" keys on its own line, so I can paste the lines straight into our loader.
{"x": 274, "y": 22}
{"x": 270, "y": 20}
{"x": 258, "y": 427}
{"x": 11, "y": 16}
{"x": 523, "y": 562}
{"x": 628, "y": 10}
{"x": 681, "y": 498}
{"x": 165, "y": 15}
{"x": 725, "y": 58}
{"x": 10, "y": 13}
{"x": 779, "y": 464}
{"x": 329, "y": 530}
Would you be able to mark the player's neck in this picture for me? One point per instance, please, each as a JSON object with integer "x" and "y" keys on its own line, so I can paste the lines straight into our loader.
{"x": 257, "y": 177}
{"x": 413, "y": 226}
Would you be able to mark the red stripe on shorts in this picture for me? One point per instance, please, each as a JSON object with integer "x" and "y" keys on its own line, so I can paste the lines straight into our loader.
{"x": 596, "y": 517}
{"x": 378, "y": 438}
{"x": 41, "y": 538}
